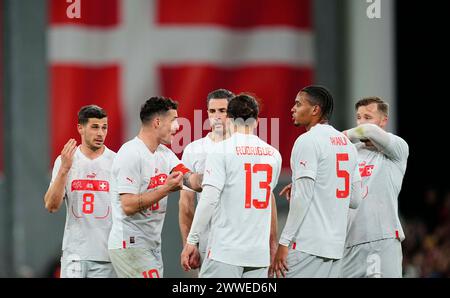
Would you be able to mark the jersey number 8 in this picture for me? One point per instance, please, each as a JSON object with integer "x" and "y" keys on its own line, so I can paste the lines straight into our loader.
{"x": 88, "y": 203}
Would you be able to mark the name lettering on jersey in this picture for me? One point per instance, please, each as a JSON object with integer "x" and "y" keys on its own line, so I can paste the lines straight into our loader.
{"x": 338, "y": 141}
{"x": 157, "y": 180}
{"x": 251, "y": 150}
{"x": 91, "y": 185}
{"x": 365, "y": 170}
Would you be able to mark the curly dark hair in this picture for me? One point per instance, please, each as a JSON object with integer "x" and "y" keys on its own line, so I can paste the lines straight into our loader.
{"x": 156, "y": 105}
{"x": 243, "y": 106}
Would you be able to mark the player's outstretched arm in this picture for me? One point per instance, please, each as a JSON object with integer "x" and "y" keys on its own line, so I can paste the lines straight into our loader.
{"x": 133, "y": 203}
{"x": 56, "y": 191}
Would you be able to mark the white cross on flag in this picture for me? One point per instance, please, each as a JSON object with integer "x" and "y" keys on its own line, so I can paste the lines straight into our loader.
{"x": 121, "y": 52}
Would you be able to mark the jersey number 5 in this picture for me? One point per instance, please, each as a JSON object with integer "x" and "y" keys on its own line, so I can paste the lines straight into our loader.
{"x": 342, "y": 194}
{"x": 262, "y": 184}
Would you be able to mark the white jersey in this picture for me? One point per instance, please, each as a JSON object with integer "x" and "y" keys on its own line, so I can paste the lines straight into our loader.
{"x": 137, "y": 170}
{"x": 88, "y": 206}
{"x": 329, "y": 158}
{"x": 382, "y": 174}
{"x": 194, "y": 158}
{"x": 246, "y": 172}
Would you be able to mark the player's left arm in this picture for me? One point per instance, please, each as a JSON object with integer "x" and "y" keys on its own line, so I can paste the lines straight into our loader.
{"x": 203, "y": 214}
{"x": 390, "y": 145}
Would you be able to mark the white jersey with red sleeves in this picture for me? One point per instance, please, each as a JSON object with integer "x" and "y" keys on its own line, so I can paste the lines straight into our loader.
{"x": 194, "y": 158}
{"x": 382, "y": 175}
{"x": 329, "y": 158}
{"x": 137, "y": 170}
{"x": 246, "y": 172}
{"x": 88, "y": 206}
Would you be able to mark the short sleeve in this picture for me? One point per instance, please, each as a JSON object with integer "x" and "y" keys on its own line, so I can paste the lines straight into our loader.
{"x": 172, "y": 159}
{"x": 305, "y": 159}
{"x": 186, "y": 159}
{"x": 278, "y": 161}
{"x": 56, "y": 167}
{"x": 215, "y": 172}
{"x": 126, "y": 169}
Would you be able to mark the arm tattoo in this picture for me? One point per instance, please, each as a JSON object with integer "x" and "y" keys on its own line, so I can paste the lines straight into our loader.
{"x": 186, "y": 179}
{"x": 140, "y": 205}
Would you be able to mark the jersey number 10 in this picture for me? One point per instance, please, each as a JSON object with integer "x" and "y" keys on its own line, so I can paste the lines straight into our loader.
{"x": 262, "y": 184}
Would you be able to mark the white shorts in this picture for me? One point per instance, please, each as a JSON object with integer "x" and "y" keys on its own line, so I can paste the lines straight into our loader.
{"x": 75, "y": 268}
{"x": 304, "y": 265}
{"x": 382, "y": 258}
{"x": 215, "y": 269}
{"x": 137, "y": 262}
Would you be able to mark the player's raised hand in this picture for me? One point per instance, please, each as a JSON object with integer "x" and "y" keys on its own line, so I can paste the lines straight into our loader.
{"x": 280, "y": 263}
{"x": 67, "y": 154}
{"x": 175, "y": 181}
{"x": 188, "y": 251}
{"x": 286, "y": 191}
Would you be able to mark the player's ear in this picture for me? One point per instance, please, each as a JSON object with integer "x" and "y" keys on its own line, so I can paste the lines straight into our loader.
{"x": 80, "y": 128}
{"x": 384, "y": 121}
{"x": 156, "y": 122}
{"x": 316, "y": 110}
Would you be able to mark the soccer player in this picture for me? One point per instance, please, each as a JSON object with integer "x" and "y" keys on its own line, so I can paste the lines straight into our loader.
{"x": 144, "y": 172}
{"x": 194, "y": 157}
{"x": 238, "y": 181}
{"x": 81, "y": 177}
{"x": 373, "y": 245}
{"x": 325, "y": 181}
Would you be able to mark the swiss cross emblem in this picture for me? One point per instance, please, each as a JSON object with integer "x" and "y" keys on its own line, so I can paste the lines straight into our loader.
{"x": 157, "y": 180}
{"x": 366, "y": 170}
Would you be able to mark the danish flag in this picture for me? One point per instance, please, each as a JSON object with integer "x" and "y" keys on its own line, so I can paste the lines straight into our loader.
{"x": 121, "y": 52}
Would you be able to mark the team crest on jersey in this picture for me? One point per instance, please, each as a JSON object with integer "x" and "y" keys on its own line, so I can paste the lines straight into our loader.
{"x": 365, "y": 170}
{"x": 157, "y": 180}
{"x": 91, "y": 185}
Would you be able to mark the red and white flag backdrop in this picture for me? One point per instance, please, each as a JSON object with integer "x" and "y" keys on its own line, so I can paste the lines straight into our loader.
{"x": 121, "y": 52}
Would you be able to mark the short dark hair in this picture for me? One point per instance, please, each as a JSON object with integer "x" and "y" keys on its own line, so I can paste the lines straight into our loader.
{"x": 90, "y": 111}
{"x": 382, "y": 106}
{"x": 243, "y": 106}
{"x": 220, "y": 93}
{"x": 319, "y": 95}
{"x": 156, "y": 105}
